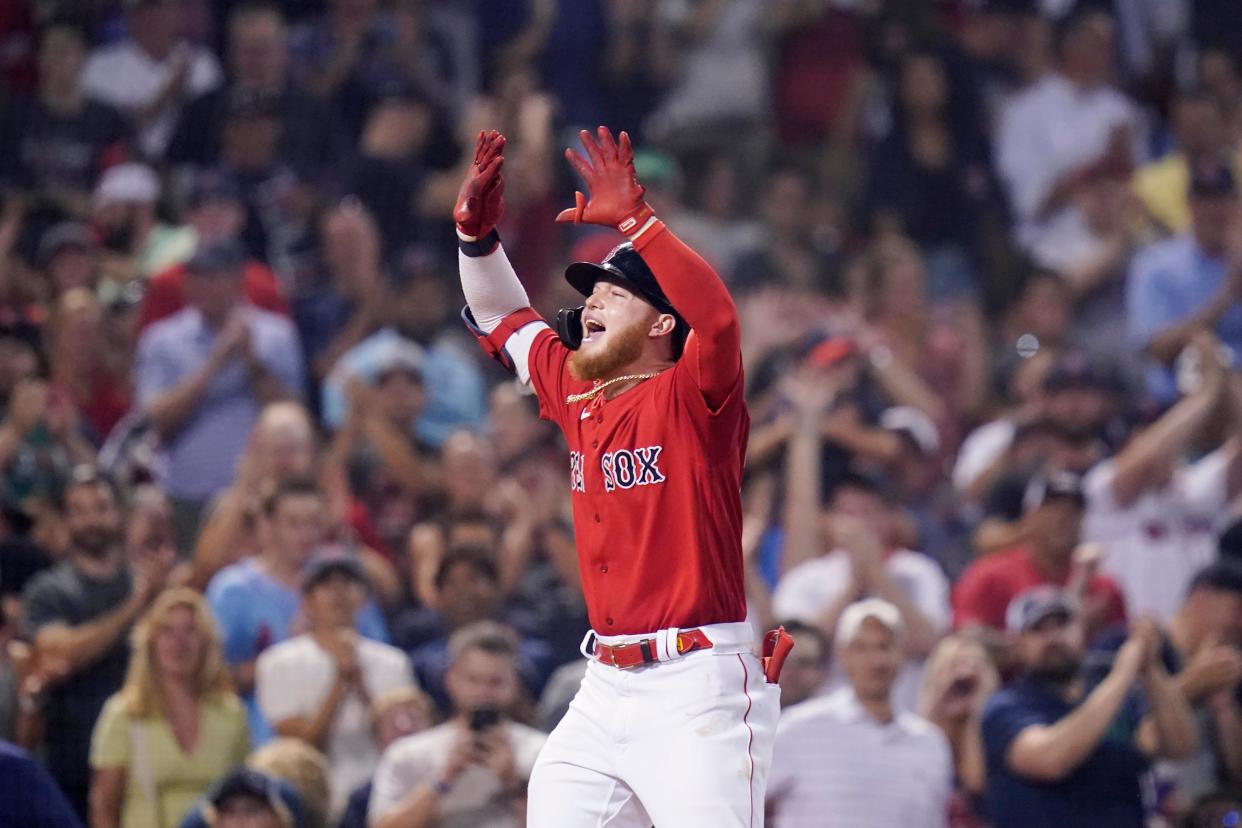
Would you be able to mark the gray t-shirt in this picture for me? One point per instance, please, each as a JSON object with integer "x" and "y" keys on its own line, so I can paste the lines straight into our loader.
{"x": 66, "y": 595}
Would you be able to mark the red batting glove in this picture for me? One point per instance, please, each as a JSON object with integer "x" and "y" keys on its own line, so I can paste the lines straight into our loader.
{"x": 616, "y": 198}
{"x": 480, "y": 201}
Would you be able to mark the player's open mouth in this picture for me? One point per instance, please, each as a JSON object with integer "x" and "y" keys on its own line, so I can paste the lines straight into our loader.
{"x": 593, "y": 330}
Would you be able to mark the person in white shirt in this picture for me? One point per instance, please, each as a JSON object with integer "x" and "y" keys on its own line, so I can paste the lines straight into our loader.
{"x": 319, "y": 687}
{"x": 471, "y": 771}
{"x": 151, "y": 73}
{"x": 1065, "y": 127}
{"x": 1158, "y": 516}
{"x": 859, "y": 563}
{"x": 855, "y": 758}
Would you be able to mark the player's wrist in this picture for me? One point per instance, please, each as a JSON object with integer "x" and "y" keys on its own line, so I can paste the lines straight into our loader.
{"x": 634, "y": 223}
{"x": 476, "y": 246}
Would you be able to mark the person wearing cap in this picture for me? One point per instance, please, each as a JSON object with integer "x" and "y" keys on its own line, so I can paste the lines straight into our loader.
{"x": 390, "y": 470}
{"x": 1060, "y": 753}
{"x": 215, "y": 213}
{"x": 1200, "y": 133}
{"x": 413, "y": 322}
{"x": 1189, "y": 283}
{"x": 1051, "y": 526}
{"x": 123, "y": 216}
{"x": 645, "y": 380}
{"x": 68, "y": 257}
{"x": 149, "y": 74}
{"x": 854, "y": 534}
{"x": 257, "y": 599}
{"x": 1202, "y": 649}
{"x": 1157, "y": 513}
{"x": 203, "y": 374}
{"x": 856, "y": 757}
{"x": 248, "y": 798}
{"x": 319, "y": 686}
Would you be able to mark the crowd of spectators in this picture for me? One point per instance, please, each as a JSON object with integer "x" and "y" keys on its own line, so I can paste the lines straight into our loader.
{"x": 280, "y": 547}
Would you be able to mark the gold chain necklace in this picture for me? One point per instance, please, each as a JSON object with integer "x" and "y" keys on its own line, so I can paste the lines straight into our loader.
{"x": 600, "y": 386}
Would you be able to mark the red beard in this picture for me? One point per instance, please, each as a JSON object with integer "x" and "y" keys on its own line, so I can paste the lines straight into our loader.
{"x": 624, "y": 348}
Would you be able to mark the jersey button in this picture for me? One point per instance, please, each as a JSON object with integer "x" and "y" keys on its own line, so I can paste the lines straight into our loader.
{"x": 595, "y": 444}
{"x": 597, "y": 520}
{"x": 608, "y": 621}
{"x": 599, "y": 418}
{"x": 603, "y": 568}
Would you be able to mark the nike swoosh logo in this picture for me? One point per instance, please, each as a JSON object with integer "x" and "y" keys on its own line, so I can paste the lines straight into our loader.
{"x": 585, "y": 415}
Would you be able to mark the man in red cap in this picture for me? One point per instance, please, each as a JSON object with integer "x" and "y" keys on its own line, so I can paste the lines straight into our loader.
{"x": 674, "y": 721}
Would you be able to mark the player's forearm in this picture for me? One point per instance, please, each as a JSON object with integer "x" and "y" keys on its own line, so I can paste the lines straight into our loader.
{"x": 491, "y": 286}
{"x": 691, "y": 285}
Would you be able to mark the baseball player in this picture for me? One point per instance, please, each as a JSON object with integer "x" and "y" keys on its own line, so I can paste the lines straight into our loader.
{"x": 674, "y": 721}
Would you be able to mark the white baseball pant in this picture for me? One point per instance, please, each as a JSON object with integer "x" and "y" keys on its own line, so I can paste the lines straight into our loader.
{"x": 675, "y": 744}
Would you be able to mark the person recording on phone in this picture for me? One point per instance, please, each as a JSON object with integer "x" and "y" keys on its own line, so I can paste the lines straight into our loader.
{"x": 471, "y": 771}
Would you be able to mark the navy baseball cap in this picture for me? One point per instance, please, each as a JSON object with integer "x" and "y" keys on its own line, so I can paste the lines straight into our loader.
{"x": 217, "y": 257}
{"x": 68, "y": 235}
{"x": 328, "y": 560}
{"x": 276, "y": 794}
{"x": 626, "y": 267}
{"x": 1036, "y": 604}
{"x": 212, "y": 186}
{"x": 1059, "y": 484}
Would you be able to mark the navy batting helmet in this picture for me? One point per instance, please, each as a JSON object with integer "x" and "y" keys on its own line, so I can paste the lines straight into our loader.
{"x": 626, "y": 267}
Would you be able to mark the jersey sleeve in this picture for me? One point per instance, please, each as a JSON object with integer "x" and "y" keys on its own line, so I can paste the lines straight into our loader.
{"x": 548, "y": 371}
{"x": 712, "y": 358}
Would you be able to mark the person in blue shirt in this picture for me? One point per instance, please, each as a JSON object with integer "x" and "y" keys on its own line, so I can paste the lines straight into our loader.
{"x": 1189, "y": 283}
{"x": 256, "y": 601}
{"x": 1059, "y": 755}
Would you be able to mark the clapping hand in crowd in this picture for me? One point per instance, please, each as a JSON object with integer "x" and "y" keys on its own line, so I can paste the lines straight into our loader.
{"x": 1214, "y": 669}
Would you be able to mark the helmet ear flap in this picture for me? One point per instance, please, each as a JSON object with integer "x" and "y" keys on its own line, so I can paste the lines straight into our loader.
{"x": 569, "y": 326}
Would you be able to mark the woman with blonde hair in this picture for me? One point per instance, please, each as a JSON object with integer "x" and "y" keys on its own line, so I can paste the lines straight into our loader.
{"x": 174, "y": 727}
{"x": 957, "y": 680}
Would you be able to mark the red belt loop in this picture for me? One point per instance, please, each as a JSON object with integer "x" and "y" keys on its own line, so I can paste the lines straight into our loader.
{"x": 638, "y": 653}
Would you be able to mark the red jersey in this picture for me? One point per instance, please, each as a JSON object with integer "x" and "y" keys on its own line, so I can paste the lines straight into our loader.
{"x": 656, "y": 472}
{"x": 984, "y": 590}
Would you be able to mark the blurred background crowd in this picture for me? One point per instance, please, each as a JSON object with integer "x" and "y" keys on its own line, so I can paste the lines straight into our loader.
{"x": 265, "y": 502}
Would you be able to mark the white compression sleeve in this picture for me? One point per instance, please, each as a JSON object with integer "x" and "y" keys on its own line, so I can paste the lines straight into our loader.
{"x": 491, "y": 287}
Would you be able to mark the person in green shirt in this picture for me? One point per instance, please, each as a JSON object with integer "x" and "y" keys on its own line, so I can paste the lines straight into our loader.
{"x": 175, "y": 726}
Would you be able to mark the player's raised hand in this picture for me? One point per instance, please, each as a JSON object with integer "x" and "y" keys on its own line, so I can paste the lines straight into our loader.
{"x": 480, "y": 201}
{"x": 616, "y": 197}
